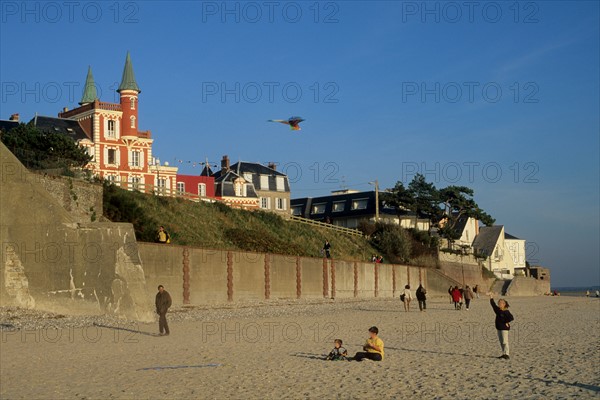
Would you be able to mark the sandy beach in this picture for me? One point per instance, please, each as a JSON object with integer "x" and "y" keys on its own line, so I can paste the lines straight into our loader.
{"x": 274, "y": 351}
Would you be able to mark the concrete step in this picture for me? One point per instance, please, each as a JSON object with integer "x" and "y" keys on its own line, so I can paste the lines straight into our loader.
{"x": 500, "y": 286}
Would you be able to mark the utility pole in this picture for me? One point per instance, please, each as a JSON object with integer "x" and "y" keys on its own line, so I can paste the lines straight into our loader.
{"x": 376, "y": 184}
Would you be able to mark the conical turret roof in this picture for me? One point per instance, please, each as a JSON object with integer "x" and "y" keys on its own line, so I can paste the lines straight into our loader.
{"x": 128, "y": 81}
{"x": 89, "y": 90}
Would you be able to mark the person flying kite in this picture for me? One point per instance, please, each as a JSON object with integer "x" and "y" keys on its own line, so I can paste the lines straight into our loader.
{"x": 293, "y": 122}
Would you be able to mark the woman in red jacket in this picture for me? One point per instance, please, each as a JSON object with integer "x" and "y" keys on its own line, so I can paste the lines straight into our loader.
{"x": 457, "y": 298}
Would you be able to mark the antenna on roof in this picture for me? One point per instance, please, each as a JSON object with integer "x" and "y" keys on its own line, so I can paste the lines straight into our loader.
{"x": 343, "y": 183}
{"x": 35, "y": 119}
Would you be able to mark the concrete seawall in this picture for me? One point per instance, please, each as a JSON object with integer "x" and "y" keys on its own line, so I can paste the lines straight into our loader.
{"x": 527, "y": 286}
{"x": 205, "y": 276}
{"x": 50, "y": 261}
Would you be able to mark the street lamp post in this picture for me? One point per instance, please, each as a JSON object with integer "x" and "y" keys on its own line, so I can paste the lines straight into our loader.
{"x": 376, "y": 184}
{"x": 463, "y": 250}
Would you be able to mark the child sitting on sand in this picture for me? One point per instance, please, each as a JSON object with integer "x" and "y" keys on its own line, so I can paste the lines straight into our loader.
{"x": 373, "y": 348}
{"x": 338, "y": 353}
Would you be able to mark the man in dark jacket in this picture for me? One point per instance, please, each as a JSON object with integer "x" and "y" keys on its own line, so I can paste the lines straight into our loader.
{"x": 422, "y": 297}
{"x": 163, "y": 302}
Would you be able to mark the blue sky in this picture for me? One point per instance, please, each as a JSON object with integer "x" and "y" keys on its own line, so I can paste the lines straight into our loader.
{"x": 503, "y": 97}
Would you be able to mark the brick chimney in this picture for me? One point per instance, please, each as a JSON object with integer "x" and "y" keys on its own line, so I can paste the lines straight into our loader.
{"x": 272, "y": 165}
{"x": 225, "y": 163}
{"x": 14, "y": 117}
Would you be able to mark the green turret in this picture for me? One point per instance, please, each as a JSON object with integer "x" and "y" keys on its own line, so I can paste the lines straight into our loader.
{"x": 128, "y": 81}
{"x": 89, "y": 90}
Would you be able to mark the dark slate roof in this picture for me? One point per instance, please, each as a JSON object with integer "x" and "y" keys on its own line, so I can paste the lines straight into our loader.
{"x": 487, "y": 238}
{"x": 8, "y": 125}
{"x": 224, "y": 186}
{"x": 68, "y": 127}
{"x": 307, "y": 204}
{"x": 205, "y": 172}
{"x": 461, "y": 224}
{"x": 510, "y": 237}
{"x": 257, "y": 169}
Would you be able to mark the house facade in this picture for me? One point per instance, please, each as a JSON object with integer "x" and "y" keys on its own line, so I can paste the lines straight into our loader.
{"x": 467, "y": 228}
{"x": 121, "y": 153}
{"x": 347, "y": 208}
{"x": 516, "y": 250}
{"x": 195, "y": 187}
{"x": 252, "y": 185}
{"x": 504, "y": 252}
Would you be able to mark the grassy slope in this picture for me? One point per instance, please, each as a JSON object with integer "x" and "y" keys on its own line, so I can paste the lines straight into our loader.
{"x": 220, "y": 227}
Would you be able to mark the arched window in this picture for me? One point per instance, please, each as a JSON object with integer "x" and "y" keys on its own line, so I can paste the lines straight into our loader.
{"x": 133, "y": 122}
{"x": 132, "y": 102}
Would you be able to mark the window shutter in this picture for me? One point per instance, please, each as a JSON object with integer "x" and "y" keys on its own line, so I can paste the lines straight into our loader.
{"x": 105, "y": 157}
{"x": 105, "y": 125}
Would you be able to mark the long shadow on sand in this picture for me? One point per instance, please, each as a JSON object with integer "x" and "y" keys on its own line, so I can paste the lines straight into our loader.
{"x": 593, "y": 388}
{"x": 401, "y": 309}
{"x": 310, "y": 355}
{"x": 120, "y": 328}
{"x": 437, "y": 352}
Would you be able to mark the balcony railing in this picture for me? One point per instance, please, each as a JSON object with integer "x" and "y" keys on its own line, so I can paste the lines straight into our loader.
{"x": 109, "y": 106}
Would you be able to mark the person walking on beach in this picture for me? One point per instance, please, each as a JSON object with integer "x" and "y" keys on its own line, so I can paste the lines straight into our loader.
{"x": 456, "y": 298}
{"x": 503, "y": 320}
{"x": 373, "y": 348}
{"x": 468, "y": 296}
{"x": 422, "y": 297}
{"x": 476, "y": 291}
{"x": 163, "y": 303}
{"x": 406, "y": 298}
{"x": 327, "y": 249}
{"x": 450, "y": 289}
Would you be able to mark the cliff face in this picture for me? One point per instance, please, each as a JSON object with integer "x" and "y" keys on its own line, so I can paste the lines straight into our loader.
{"x": 51, "y": 262}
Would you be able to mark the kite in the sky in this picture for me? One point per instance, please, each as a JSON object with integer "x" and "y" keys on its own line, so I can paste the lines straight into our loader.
{"x": 293, "y": 122}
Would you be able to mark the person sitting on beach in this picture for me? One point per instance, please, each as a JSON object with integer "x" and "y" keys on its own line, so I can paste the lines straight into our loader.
{"x": 162, "y": 236}
{"x": 338, "y": 353}
{"x": 597, "y": 293}
{"x": 503, "y": 320}
{"x": 373, "y": 348}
